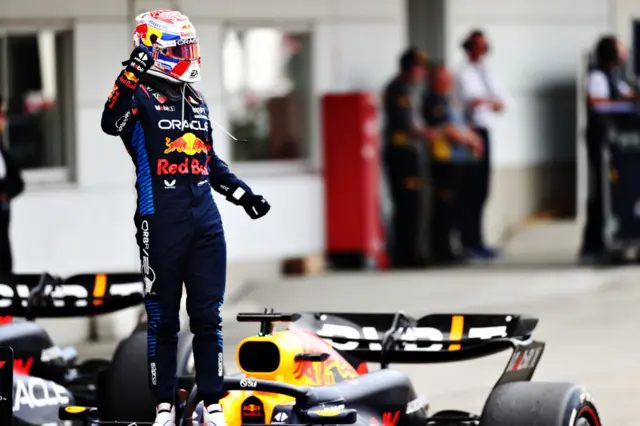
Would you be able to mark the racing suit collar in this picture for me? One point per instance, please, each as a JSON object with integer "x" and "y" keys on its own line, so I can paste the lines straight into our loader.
{"x": 173, "y": 91}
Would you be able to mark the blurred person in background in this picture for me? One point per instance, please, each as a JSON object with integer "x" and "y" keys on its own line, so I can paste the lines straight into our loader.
{"x": 11, "y": 185}
{"x": 604, "y": 85}
{"x": 405, "y": 160}
{"x": 483, "y": 98}
{"x": 453, "y": 146}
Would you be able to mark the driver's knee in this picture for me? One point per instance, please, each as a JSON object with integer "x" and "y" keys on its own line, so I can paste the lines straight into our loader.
{"x": 206, "y": 323}
{"x": 164, "y": 326}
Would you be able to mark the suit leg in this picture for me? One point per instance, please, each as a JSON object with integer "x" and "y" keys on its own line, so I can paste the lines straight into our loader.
{"x": 206, "y": 282}
{"x": 163, "y": 251}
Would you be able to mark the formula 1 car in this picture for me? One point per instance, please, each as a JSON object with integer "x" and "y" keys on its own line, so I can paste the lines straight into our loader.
{"x": 315, "y": 373}
{"x": 44, "y": 376}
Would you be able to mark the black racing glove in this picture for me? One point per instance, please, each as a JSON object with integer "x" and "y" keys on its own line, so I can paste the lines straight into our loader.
{"x": 255, "y": 206}
{"x": 140, "y": 61}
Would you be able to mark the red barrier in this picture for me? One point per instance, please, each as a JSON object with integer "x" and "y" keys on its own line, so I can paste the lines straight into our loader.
{"x": 351, "y": 143}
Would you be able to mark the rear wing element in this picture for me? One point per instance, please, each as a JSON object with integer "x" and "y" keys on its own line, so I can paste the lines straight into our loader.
{"x": 399, "y": 338}
{"x": 6, "y": 386}
{"x": 33, "y": 296}
{"x": 432, "y": 338}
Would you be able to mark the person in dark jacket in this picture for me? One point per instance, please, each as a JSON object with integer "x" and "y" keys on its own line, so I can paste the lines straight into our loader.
{"x": 11, "y": 185}
{"x": 453, "y": 146}
{"x": 604, "y": 86}
{"x": 405, "y": 138}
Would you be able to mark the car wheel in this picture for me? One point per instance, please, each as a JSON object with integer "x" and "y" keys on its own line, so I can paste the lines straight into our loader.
{"x": 539, "y": 403}
{"x": 127, "y": 396}
{"x": 587, "y": 416}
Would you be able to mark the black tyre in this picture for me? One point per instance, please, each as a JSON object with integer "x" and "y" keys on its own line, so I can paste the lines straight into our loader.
{"x": 126, "y": 394}
{"x": 539, "y": 403}
{"x": 124, "y": 389}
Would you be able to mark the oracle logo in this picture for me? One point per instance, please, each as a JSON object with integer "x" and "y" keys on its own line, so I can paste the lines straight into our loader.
{"x": 36, "y": 393}
{"x": 182, "y": 125}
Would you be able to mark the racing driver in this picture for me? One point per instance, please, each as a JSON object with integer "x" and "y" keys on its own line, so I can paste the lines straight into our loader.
{"x": 164, "y": 124}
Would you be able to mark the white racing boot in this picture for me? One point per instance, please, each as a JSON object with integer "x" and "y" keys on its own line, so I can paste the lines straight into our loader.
{"x": 213, "y": 416}
{"x": 165, "y": 415}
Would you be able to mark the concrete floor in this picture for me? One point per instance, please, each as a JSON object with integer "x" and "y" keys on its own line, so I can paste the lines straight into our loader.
{"x": 588, "y": 318}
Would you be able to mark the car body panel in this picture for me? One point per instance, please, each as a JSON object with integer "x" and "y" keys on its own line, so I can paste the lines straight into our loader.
{"x": 382, "y": 398}
{"x": 36, "y": 401}
{"x": 45, "y": 377}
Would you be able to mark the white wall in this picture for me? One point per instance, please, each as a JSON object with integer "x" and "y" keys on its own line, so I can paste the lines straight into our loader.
{"x": 87, "y": 225}
{"x": 625, "y": 12}
{"x": 63, "y": 9}
{"x": 536, "y": 49}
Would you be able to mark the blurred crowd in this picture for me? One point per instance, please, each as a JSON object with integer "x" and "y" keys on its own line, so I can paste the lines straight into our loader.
{"x": 437, "y": 151}
{"x": 438, "y": 132}
{"x": 606, "y": 89}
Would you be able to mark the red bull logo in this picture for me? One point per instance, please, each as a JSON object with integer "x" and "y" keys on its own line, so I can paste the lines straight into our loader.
{"x": 141, "y": 31}
{"x": 332, "y": 370}
{"x": 129, "y": 80}
{"x": 253, "y": 411}
{"x": 113, "y": 96}
{"x": 188, "y": 144}
{"x": 193, "y": 167}
{"x": 130, "y": 76}
{"x": 113, "y": 91}
{"x": 144, "y": 32}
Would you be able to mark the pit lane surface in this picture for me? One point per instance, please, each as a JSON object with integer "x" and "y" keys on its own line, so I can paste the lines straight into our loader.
{"x": 589, "y": 319}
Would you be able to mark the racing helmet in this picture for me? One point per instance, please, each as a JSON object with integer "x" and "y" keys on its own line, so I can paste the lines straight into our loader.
{"x": 172, "y": 41}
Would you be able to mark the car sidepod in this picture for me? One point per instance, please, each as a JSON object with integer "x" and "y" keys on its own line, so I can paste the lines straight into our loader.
{"x": 384, "y": 398}
{"x": 36, "y": 401}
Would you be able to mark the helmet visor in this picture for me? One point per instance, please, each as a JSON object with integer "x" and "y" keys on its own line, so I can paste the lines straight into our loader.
{"x": 187, "y": 50}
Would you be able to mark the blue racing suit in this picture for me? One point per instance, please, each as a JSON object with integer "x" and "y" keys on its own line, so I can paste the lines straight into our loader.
{"x": 165, "y": 128}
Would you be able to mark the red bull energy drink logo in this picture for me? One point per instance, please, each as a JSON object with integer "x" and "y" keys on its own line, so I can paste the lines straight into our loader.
{"x": 253, "y": 411}
{"x": 188, "y": 144}
{"x": 113, "y": 96}
{"x": 190, "y": 166}
{"x": 331, "y": 371}
{"x": 144, "y": 32}
{"x": 129, "y": 79}
{"x": 130, "y": 76}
